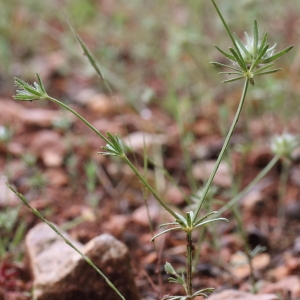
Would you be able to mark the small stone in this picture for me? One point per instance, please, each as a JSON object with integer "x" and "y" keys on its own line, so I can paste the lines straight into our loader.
{"x": 289, "y": 284}
{"x": 292, "y": 211}
{"x": 141, "y": 217}
{"x": 202, "y": 171}
{"x": 296, "y": 247}
{"x": 241, "y": 268}
{"x": 238, "y": 295}
{"x": 253, "y": 202}
{"x": 59, "y": 272}
{"x": 7, "y": 196}
{"x": 138, "y": 140}
{"x": 49, "y": 145}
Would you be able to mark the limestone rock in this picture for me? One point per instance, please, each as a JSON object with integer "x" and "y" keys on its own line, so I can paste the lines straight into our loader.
{"x": 61, "y": 273}
{"x": 238, "y": 295}
{"x": 203, "y": 169}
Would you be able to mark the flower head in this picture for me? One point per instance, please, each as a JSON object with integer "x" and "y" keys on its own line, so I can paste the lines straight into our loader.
{"x": 283, "y": 145}
{"x": 250, "y": 58}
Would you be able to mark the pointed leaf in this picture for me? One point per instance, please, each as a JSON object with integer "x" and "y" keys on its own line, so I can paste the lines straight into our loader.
{"x": 277, "y": 55}
{"x": 241, "y": 45}
{"x": 268, "y": 72}
{"x": 255, "y": 38}
{"x": 205, "y": 217}
{"x": 210, "y": 221}
{"x": 233, "y": 79}
{"x": 167, "y": 224}
{"x": 238, "y": 60}
{"x": 230, "y": 73}
{"x": 41, "y": 83}
{"x": 263, "y": 42}
{"x": 263, "y": 68}
{"x": 259, "y": 57}
{"x": 222, "y": 65}
{"x": 228, "y": 55}
{"x": 165, "y": 231}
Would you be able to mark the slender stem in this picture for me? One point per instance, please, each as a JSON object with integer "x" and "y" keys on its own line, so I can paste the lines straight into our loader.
{"x": 241, "y": 194}
{"x": 235, "y": 120}
{"x": 148, "y": 186}
{"x": 282, "y": 191}
{"x": 124, "y": 157}
{"x": 80, "y": 117}
{"x": 226, "y": 27}
{"x": 189, "y": 262}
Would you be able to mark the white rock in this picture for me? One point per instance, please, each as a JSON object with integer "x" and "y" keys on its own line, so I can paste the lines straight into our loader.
{"x": 61, "y": 273}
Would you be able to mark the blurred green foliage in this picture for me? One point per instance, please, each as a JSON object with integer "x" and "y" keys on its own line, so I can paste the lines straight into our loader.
{"x": 160, "y": 46}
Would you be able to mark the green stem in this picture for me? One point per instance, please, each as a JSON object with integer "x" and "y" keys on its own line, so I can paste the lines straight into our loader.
{"x": 226, "y": 27}
{"x": 189, "y": 262}
{"x": 148, "y": 186}
{"x": 238, "y": 112}
{"x": 282, "y": 191}
{"x": 124, "y": 157}
{"x": 241, "y": 194}
{"x": 80, "y": 117}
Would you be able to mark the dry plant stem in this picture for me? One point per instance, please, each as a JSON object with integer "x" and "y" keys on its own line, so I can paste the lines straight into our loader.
{"x": 238, "y": 112}
{"x": 189, "y": 262}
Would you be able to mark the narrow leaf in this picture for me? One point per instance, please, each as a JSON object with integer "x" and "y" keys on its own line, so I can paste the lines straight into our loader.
{"x": 41, "y": 83}
{"x": 259, "y": 57}
{"x": 228, "y": 55}
{"x": 241, "y": 45}
{"x": 238, "y": 60}
{"x": 268, "y": 72}
{"x": 222, "y": 65}
{"x": 263, "y": 68}
{"x": 255, "y": 38}
{"x": 165, "y": 231}
{"x": 263, "y": 42}
{"x": 210, "y": 221}
{"x": 277, "y": 55}
{"x": 233, "y": 79}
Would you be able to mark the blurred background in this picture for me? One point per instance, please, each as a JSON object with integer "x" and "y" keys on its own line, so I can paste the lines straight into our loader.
{"x": 150, "y": 51}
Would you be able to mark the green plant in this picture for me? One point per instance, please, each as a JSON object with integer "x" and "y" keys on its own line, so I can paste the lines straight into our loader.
{"x": 249, "y": 60}
{"x": 12, "y": 229}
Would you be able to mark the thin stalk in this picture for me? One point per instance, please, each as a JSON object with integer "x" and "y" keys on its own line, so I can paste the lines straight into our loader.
{"x": 227, "y": 29}
{"x": 282, "y": 191}
{"x": 235, "y": 120}
{"x": 148, "y": 186}
{"x": 124, "y": 157}
{"x": 80, "y": 117}
{"x": 189, "y": 262}
{"x": 241, "y": 194}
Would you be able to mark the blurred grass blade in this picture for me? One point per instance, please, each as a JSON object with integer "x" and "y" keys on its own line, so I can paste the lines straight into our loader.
{"x": 277, "y": 55}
